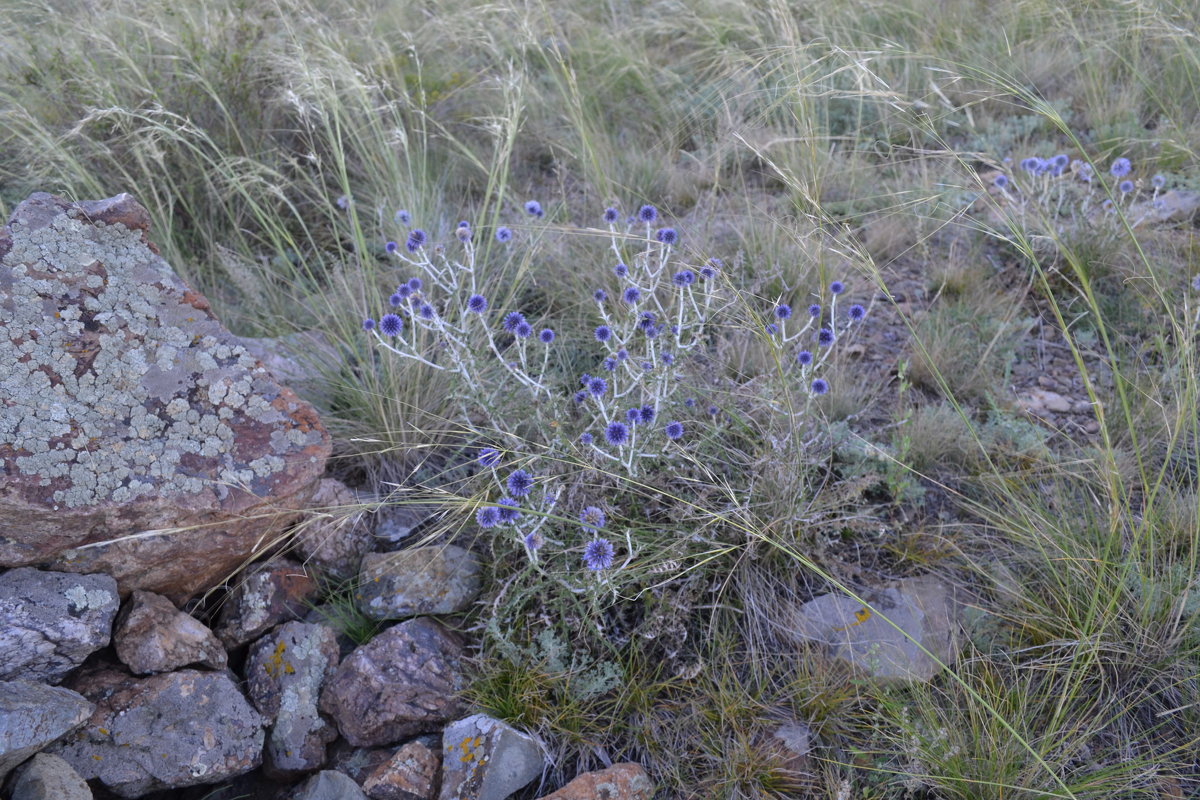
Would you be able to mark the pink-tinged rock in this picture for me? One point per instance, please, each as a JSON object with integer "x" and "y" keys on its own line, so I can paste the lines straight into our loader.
{"x": 264, "y": 596}
{"x": 285, "y": 671}
{"x": 137, "y": 437}
{"x": 619, "y": 782}
{"x": 403, "y": 682}
{"x": 152, "y": 635}
{"x": 336, "y": 534}
{"x": 163, "y": 732}
{"x": 410, "y": 774}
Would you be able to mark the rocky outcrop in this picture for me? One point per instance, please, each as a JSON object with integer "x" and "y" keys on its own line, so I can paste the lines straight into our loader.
{"x": 137, "y": 437}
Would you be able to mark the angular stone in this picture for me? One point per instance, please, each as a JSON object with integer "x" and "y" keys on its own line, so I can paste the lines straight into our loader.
{"x": 619, "y": 782}
{"x": 285, "y": 671}
{"x": 152, "y": 635}
{"x": 410, "y": 774}
{"x": 486, "y": 759}
{"x": 395, "y": 522}
{"x": 439, "y": 579}
{"x": 328, "y": 785}
{"x": 403, "y": 682}
{"x": 51, "y": 621}
{"x": 789, "y": 744}
{"x": 163, "y": 732}
{"x": 357, "y": 762}
{"x": 1173, "y": 205}
{"x": 33, "y": 716}
{"x": 265, "y": 596}
{"x": 48, "y": 777}
{"x": 137, "y": 437}
{"x": 922, "y": 608}
{"x": 337, "y": 535}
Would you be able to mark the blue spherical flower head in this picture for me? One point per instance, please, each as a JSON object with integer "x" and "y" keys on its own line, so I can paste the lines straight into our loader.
{"x": 598, "y": 554}
{"x": 519, "y": 483}
{"x": 820, "y": 386}
{"x": 509, "y": 510}
{"x": 1158, "y": 181}
{"x": 647, "y": 320}
{"x": 620, "y": 270}
{"x": 622, "y": 354}
{"x": 611, "y": 215}
{"x": 646, "y": 415}
{"x": 837, "y": 287}
{"x": 592, "y": 519}
{"x": 1125, "y": 186}
{"x": 415, "y": 284}
{"x": 391, "y": 325}
{"x": 489, "y": 457}
{"x": 667, "y": 236}
{"x": 597, "y": 386}
{"x": 609, "y": 364}
{"x": 488, "y": 517}
{"x": 583, "y": 380}
{"x": 1061, "y": 160}
{"x": 511, "y": 320}
{"x": 772, "y": 329}
{"x": 825, "y": 337}
{"x": 391, "y": 247}
{"x": 674, "y": 431}
{"x": 579, "y": 397}
{"x": 343, "y": 202}
{"x": 477, "y": 303}
{"x": 368, "y": 324}
{"x": 396, "y": 299}
{"x": 602, "y": 333}
{"x": 463, "y": 232}
{"x": 667, "y": 359}
{"x": 633, "y": 415}
{"x": 814, "y": 310}
{"x": 713, "y": 411}
{"x": 647, "y": 214}
{"x": 1000, "y": 181}
{"x": 647, "y": 366}
{"x": 599, "y": 295}
{"x": 684, "y": 277}
{"x": 416, "y": 238}
{"x": 426, "y": 311}
{"x": 1120, "y": 168}
{"x": 690, "y": 402}
{"x": 707, "y": 273}
{"x": 783, "y": 311}
{"x": 804, "y": 358}
{"x": 1084, "y": 170}
{"x": 546, "y": 336}
{"x": 533, "y": 540}
{"x": 534, "y": 208}
{"x": 616, "y": 433}
{"x": 586, "y": 438}
{"x": 631, "y": 295}
{"x": 856, "y": 312}
{"x": 403, "y": 217}
{"x": 523, "y": 330}
{"x": 503, "y": 235}
{"x": 404, "y": 291}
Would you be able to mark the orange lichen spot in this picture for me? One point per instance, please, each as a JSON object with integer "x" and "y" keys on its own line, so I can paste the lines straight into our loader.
{"x": 103, "y": 731}
{"x": 57, "y": 315}
{"x": 95, "y": 758}
{"x": 860, "y": 616}
{"x": 275, "y": 663}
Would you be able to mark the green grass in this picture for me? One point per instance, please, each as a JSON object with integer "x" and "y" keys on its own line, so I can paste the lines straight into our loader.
{"x": 799, "y": 143}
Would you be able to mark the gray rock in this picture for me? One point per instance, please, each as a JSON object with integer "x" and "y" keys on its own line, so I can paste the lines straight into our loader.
{"x": 266, "y": 595}
{"x": 396, "y": 522}
{"x": 336, "y": 534}
{"x": 33, "y": 716}
{"x": 163, "y": 732}
{"x": 285, "y": 671}
{"x": 403, "y": 682}
{"x": 129, "y": 409}
{"x": 1173, "y": 205}
{"x": 48, "y": 777}
{"x": 329, "y": 785}
{"x": 357, "y": 762}
{"x": 790, "y": 744}
{"x": 51, "y": 621}
{"x": 923, "y": 609}
{"x": 152, "y": 635}
{"x": 410, "y": 774}
{"x": 486, "y": 759}
{"x": 421, "y": 580}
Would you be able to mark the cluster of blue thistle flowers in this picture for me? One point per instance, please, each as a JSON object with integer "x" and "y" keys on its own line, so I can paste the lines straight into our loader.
{"x": 1071, "y": 188}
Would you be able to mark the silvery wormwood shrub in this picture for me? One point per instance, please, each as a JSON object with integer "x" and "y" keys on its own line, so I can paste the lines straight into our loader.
{"x": 638, "y": 413}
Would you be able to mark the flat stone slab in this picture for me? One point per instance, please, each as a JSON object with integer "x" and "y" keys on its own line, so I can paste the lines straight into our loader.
{"x": 51, "y": 621}
{"x": 885, "y": 637}
{"x": 163, "y": 732}
{"x": 138, "y": 437}
{"x": 420, "y": 580}
{"x": 33, "y": 716}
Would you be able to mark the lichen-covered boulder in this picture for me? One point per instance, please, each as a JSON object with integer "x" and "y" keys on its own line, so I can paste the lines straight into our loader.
{"x": 267, "y": 594}
{"x": 486, "y": 759}
{"x": 285, "y": 671}
{"x": 152, "y": 635}
{"x": 435, "y": 579}
{"x": 137, "y": 436}
{"x": 403, "y": 682}
{"x": 51, "y": 621}
{"x": 163, "y": 732}
{"x": 32, "y": 716}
